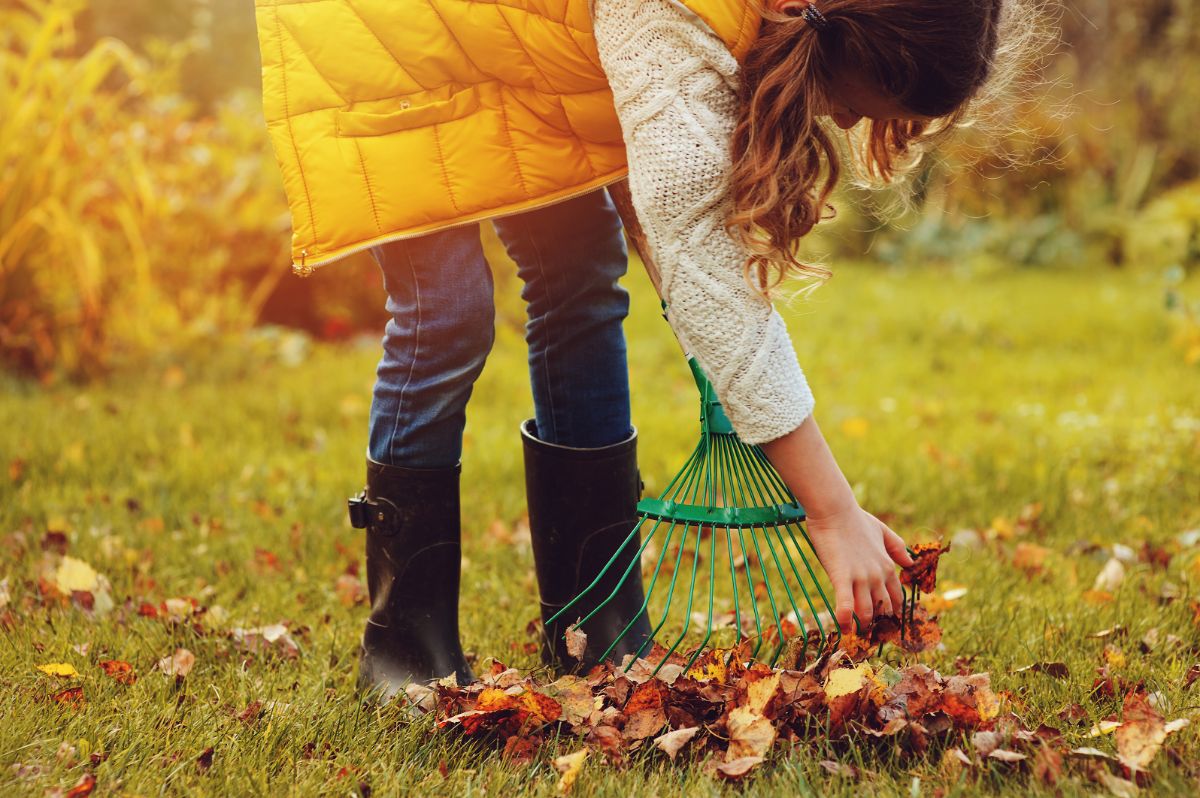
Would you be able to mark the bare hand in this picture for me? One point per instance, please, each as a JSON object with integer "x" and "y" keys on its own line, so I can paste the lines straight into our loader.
{"x": 860, "y": 554}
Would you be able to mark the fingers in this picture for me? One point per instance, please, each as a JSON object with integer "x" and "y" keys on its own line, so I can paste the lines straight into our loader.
{"x": 844, "y": 612}
{"x": 881, "y": 600}
{"x": 864, "y": 604}
{"x": 895, "y": 593}
{"x": 896, "y": 548}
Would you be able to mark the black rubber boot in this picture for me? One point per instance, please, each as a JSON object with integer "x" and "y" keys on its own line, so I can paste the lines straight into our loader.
{"x": 414, "y": 554}
{"x": 582, "y": 506}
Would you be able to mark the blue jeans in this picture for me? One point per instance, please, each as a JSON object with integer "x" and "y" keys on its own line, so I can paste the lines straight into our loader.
{"x": 570, "y": 257}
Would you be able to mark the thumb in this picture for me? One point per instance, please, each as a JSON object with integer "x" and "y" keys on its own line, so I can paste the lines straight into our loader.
{"x": 896, "y": 548}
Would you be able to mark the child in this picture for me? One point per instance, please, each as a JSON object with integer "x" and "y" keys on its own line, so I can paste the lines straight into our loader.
{"x": 400, "y": 125}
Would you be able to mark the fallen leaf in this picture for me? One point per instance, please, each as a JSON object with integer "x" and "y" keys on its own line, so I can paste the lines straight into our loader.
{"x": 1058, "y": 670}
{"x": 1029, "y": 557}
{"x": 738, "y": 768}
{"x": 576, "y": 642}
{"x": 204, "y": 761}
{"x": 645, "y": 710}
{"x": 71, "y": 696}
{"x": 922, "y": 574}
{"x": 671, "y": 742}
{"x": 73, "y": 574}
{"x": 1141, "y": 732}
{"x": 750, "y": 734}
{"x": 1117, "y": 785}
{"x": 1004, "y": 755}
{"x": 120, "y": 671}
{"x": 178, "y": 664}
{"x": 1110, "y": 577}
{"x": 844, "y": 681}
{"x": 60, "y": 669}
{"x": 1176, "y": 725}
{"x": 569, "y": 765}
{"x": 85, "y": 785}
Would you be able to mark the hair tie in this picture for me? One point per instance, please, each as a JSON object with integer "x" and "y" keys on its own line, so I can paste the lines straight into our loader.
{"x": 813, "y": 16}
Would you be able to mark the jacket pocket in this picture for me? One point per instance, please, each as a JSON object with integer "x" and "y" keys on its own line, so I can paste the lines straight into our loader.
{"x": 409, "y": 116}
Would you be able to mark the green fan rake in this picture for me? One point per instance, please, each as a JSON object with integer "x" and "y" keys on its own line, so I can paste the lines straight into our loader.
{"x": 726, "y": 490}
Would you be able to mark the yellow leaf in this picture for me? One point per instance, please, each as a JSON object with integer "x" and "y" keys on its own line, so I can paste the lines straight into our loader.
{"x": 64, "y": 669}
{"x": 713, "y": 670}
{"x": 845, "y": 681}
{"x": 569, "y": 766}
{"x": 760, "y": 692}
{"x": 856, "y": 427}
{"x": 73, "y": 574}
{"x": 1002, "y": 527}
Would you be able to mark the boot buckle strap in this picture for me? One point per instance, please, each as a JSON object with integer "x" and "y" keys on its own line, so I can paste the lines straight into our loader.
{"x": 368, "y": 514}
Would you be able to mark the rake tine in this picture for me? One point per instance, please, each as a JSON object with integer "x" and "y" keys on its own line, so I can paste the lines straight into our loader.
{"x": 636, "y": 559}
{"x": 757, "y": 474}
{"x": 646, "y": 600}
{"x": 687, "y": 615}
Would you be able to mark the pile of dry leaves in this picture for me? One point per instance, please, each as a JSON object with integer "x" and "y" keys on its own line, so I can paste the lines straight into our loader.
{"x": 728, "y": 714}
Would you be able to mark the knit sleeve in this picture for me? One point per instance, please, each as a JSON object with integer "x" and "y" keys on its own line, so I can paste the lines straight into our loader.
{"x": 674, "y": 84}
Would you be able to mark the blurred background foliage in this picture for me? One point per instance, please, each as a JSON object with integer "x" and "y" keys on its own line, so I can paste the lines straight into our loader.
{"x": 142, "y": 215}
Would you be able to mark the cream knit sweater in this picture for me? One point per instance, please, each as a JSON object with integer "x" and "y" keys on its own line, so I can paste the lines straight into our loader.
{"x": 674, "y": 84}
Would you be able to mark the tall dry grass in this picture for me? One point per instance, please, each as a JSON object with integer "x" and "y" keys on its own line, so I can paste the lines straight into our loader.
{"x": 127, "y": 220}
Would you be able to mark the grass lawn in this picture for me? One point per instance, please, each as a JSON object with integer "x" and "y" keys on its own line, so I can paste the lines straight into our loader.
{"x": 957, "y": 404}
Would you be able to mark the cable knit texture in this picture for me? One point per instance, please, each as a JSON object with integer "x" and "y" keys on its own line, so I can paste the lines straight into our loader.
{"x": 675, "y": 88}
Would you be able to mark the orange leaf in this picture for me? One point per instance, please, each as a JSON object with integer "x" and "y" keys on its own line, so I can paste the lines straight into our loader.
{"x": 922, "y": 574}
{"x": 118, "y": 670}
{"x": 1141, "y": 732}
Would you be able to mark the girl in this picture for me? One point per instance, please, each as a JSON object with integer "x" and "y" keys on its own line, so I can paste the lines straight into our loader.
{"x": 400, "y": 125}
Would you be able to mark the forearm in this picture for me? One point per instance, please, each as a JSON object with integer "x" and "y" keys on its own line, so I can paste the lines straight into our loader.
{"x": 804, "y": 460}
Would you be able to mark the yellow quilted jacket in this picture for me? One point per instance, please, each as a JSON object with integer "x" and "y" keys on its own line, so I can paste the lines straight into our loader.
{"x": 395, "y": 118}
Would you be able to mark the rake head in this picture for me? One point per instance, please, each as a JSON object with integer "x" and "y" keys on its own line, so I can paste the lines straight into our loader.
{"x": 728, "y": 523}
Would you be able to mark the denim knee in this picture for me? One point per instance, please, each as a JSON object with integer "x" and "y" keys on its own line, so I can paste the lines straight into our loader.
{"x": 435, "y": 345}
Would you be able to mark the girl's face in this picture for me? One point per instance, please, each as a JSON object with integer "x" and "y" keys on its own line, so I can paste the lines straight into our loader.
{"x": 852, "y": 99}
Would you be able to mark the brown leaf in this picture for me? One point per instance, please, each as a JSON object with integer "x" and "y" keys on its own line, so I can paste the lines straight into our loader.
{"x": 178, "y": 664}
{"x": 922, "y": 574}
{"x": 120, "y": 671}
{"x": 71, "y": 697}
{"x": 607, "y": 739}
{"x": 646, "y": 710}
{"x": 1057, "y": 670}
{"x": 1193, "y": 673}
{"x": 1048, "y": 766}
{"x": 1030, "y": 558}
{"x": 671, "y": 742}
{"x": 1141, "y": 732}
{"x": 576, "y": 642}
{"x": 251, "y": 713}
{"x": 750, "y": 734}
{"x": 738, "y": 768}
{"x": 574, "y": 695}
{"x": 204, "y": 761}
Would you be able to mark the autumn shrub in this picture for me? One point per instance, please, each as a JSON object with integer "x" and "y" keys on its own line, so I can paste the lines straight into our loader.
{"x": 1065, "y": 170}
{"x": 129, "y": 222}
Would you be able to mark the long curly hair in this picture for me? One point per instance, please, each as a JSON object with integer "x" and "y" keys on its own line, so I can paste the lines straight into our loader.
{"x": 938, "y": 59}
